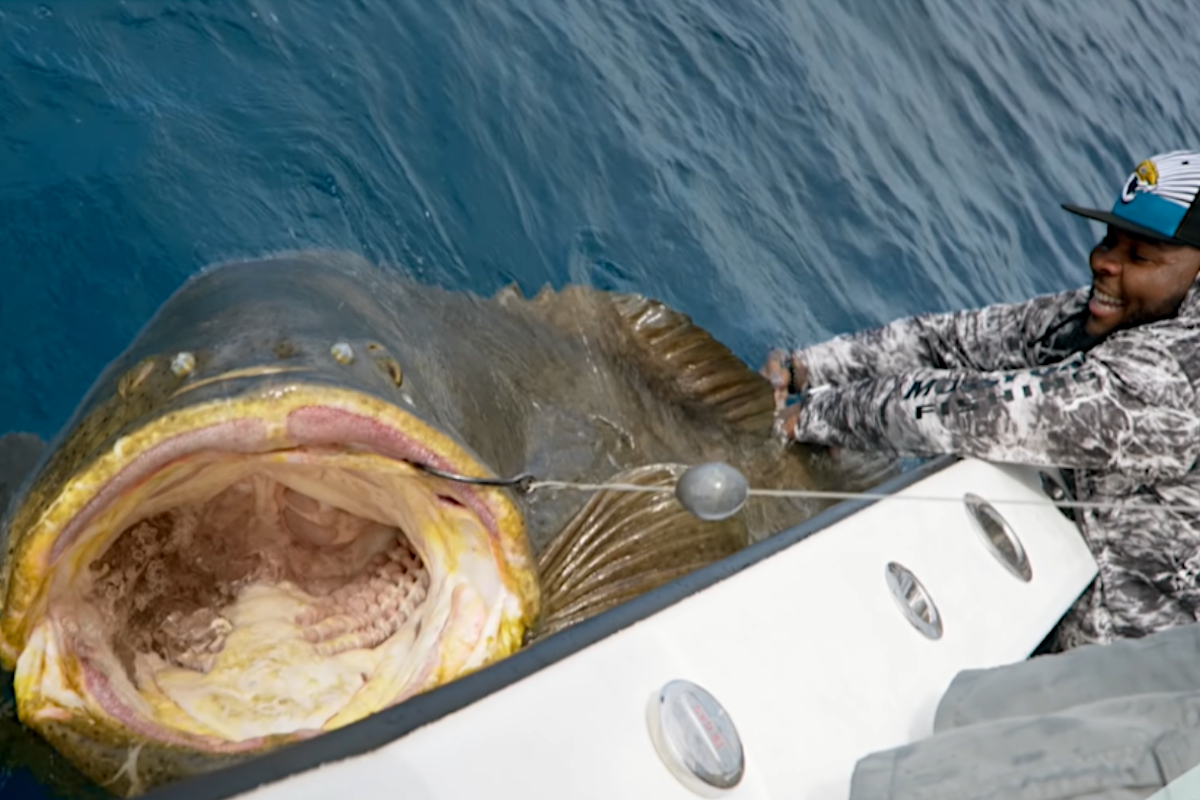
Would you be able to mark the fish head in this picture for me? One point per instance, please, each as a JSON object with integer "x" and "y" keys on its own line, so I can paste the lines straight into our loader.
{"x": 231, "y": 545}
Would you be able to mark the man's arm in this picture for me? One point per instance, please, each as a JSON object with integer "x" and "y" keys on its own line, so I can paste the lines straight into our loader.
{"x": 998, "y": 337}
{"x": 1125, "y": 406}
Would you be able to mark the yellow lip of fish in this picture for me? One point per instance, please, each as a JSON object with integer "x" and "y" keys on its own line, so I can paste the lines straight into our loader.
{"x": 49, "y": 543}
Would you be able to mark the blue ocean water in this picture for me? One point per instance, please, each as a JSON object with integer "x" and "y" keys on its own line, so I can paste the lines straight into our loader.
{"x": 781, "y": 170}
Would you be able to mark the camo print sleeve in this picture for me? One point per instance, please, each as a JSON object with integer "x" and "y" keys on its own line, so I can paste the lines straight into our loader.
{"x": 1126, "y": 406}
{"x": 998, "y": 337}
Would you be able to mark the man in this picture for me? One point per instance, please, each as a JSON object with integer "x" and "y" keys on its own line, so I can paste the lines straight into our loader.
{"x": 1102, "y": 381}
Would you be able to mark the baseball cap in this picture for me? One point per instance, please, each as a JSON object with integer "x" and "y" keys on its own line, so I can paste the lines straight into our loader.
{"x": 1158, "y": 200}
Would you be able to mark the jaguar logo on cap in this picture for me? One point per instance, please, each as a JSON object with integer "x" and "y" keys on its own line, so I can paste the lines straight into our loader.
{"x": 1143, "y": 179}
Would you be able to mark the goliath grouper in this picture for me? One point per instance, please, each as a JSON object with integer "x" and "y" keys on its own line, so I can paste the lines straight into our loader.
{"x": 233, "y": 544}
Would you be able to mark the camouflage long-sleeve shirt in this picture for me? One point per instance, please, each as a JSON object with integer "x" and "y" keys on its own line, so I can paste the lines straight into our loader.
{"x": 1023, "y": 383}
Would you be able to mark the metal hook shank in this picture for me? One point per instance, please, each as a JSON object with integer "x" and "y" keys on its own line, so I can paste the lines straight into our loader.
{"x": 521, "y": 483}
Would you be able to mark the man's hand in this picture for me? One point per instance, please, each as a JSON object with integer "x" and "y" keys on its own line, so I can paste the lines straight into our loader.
{"x": 787, "y": 375}
{"x": 786, "y": 421}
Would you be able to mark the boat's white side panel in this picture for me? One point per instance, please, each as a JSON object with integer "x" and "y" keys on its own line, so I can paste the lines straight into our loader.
{"x": 806, "y": 650}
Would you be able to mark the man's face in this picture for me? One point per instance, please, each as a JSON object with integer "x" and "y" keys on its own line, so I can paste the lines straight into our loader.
{"x": 1136, "y": 280}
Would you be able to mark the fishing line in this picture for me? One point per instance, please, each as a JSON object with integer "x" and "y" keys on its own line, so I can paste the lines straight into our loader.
{"x": 814, "y": 494}
{"x": 716, "y": 490}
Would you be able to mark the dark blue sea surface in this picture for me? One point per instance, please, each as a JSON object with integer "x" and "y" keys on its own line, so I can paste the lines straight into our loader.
{"x": 779, "y": 170}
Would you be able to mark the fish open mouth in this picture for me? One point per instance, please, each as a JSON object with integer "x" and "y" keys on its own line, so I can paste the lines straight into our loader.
{"x": 280, "y": 571}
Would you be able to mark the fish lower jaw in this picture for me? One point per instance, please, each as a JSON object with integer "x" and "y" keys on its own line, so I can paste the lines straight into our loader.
{"x": 269, "y": 684}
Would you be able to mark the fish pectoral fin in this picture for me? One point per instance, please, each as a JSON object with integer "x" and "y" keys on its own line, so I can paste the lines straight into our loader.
{"x": 623, "y": 544}
{"x": 678, "y": 358}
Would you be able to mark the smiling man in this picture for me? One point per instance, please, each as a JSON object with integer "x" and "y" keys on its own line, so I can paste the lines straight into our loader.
{"x": 1101, "y": 381}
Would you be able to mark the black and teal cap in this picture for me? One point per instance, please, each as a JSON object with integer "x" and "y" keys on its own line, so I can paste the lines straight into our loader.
{"x": 1158, "y": 200}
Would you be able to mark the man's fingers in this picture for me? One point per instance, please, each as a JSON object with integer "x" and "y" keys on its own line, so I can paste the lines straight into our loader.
{"x": 774, "y": 370}
{"x": 779, "y": 375}
{"x": 786, "y": 422}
